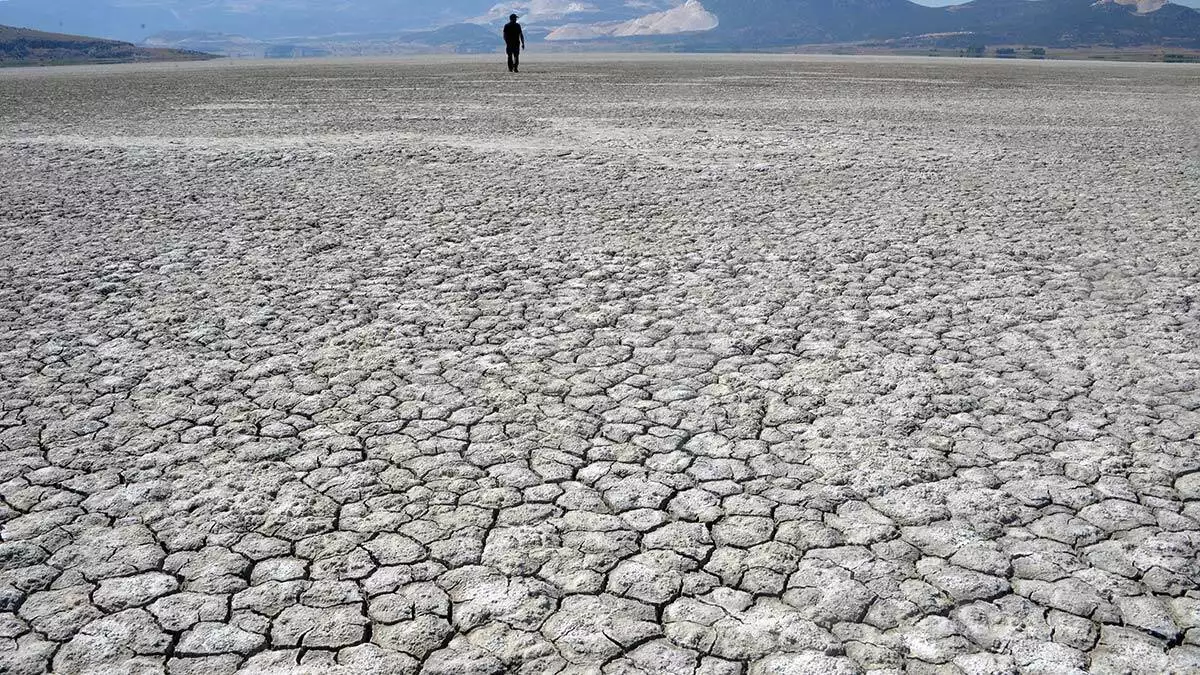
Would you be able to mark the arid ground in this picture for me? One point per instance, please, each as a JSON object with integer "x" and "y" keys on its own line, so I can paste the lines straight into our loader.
{"x": 623, "y": 364}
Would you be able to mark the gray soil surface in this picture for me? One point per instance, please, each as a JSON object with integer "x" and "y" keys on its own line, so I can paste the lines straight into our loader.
{"x": 675, "y": 365}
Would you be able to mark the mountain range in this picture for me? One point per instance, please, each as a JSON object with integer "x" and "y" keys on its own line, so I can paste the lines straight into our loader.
{"x": 389, "y": 26}
{"x": 1051, "y": 23}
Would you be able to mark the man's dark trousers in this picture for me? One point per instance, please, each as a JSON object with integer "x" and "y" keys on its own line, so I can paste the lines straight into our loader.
{"x": 514, "y": 57}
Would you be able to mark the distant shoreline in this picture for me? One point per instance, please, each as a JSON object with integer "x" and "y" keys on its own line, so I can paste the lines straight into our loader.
{"x": 103, "y": 62}
{"x": 1146, "y": 54}
{"x": 1130, "y": 55}
{"x": 565, "y": 59}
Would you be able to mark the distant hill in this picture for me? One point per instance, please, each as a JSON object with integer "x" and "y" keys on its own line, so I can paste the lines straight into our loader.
{"x": 463, "y": 37}
{"x": 22, "y": 46}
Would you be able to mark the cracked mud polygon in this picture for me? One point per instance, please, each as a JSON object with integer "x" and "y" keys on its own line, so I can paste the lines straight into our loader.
{"x": 686, "y": 365}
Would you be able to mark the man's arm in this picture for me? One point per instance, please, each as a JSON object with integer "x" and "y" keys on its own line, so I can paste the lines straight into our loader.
{"x": 522, "y": 37}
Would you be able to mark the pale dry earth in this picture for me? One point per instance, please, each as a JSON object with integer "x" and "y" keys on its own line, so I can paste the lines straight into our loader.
{"x": 674, "y": 365}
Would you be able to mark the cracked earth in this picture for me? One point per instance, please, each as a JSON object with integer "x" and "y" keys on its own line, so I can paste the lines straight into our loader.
{"x": 673, "y": 365}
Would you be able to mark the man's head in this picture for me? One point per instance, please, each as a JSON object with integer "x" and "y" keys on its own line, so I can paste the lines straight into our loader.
{"x": 513, "y": 18}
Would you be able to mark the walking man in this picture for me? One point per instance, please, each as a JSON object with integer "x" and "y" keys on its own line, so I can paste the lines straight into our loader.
{"x": 514, "y": 42}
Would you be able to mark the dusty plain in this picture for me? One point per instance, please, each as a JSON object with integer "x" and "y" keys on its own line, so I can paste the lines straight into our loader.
{"x": 685, "y": 365}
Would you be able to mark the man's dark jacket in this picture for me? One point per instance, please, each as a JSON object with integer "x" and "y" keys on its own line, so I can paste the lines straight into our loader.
{"x": 512, "y": 35}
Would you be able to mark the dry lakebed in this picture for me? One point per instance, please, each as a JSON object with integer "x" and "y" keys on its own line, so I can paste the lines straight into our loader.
{"x": 668, "y": 364}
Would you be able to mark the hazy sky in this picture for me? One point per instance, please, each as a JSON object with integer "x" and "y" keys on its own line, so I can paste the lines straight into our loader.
{"x": 404, "y": 5}
{"x": 448, "y": 4}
